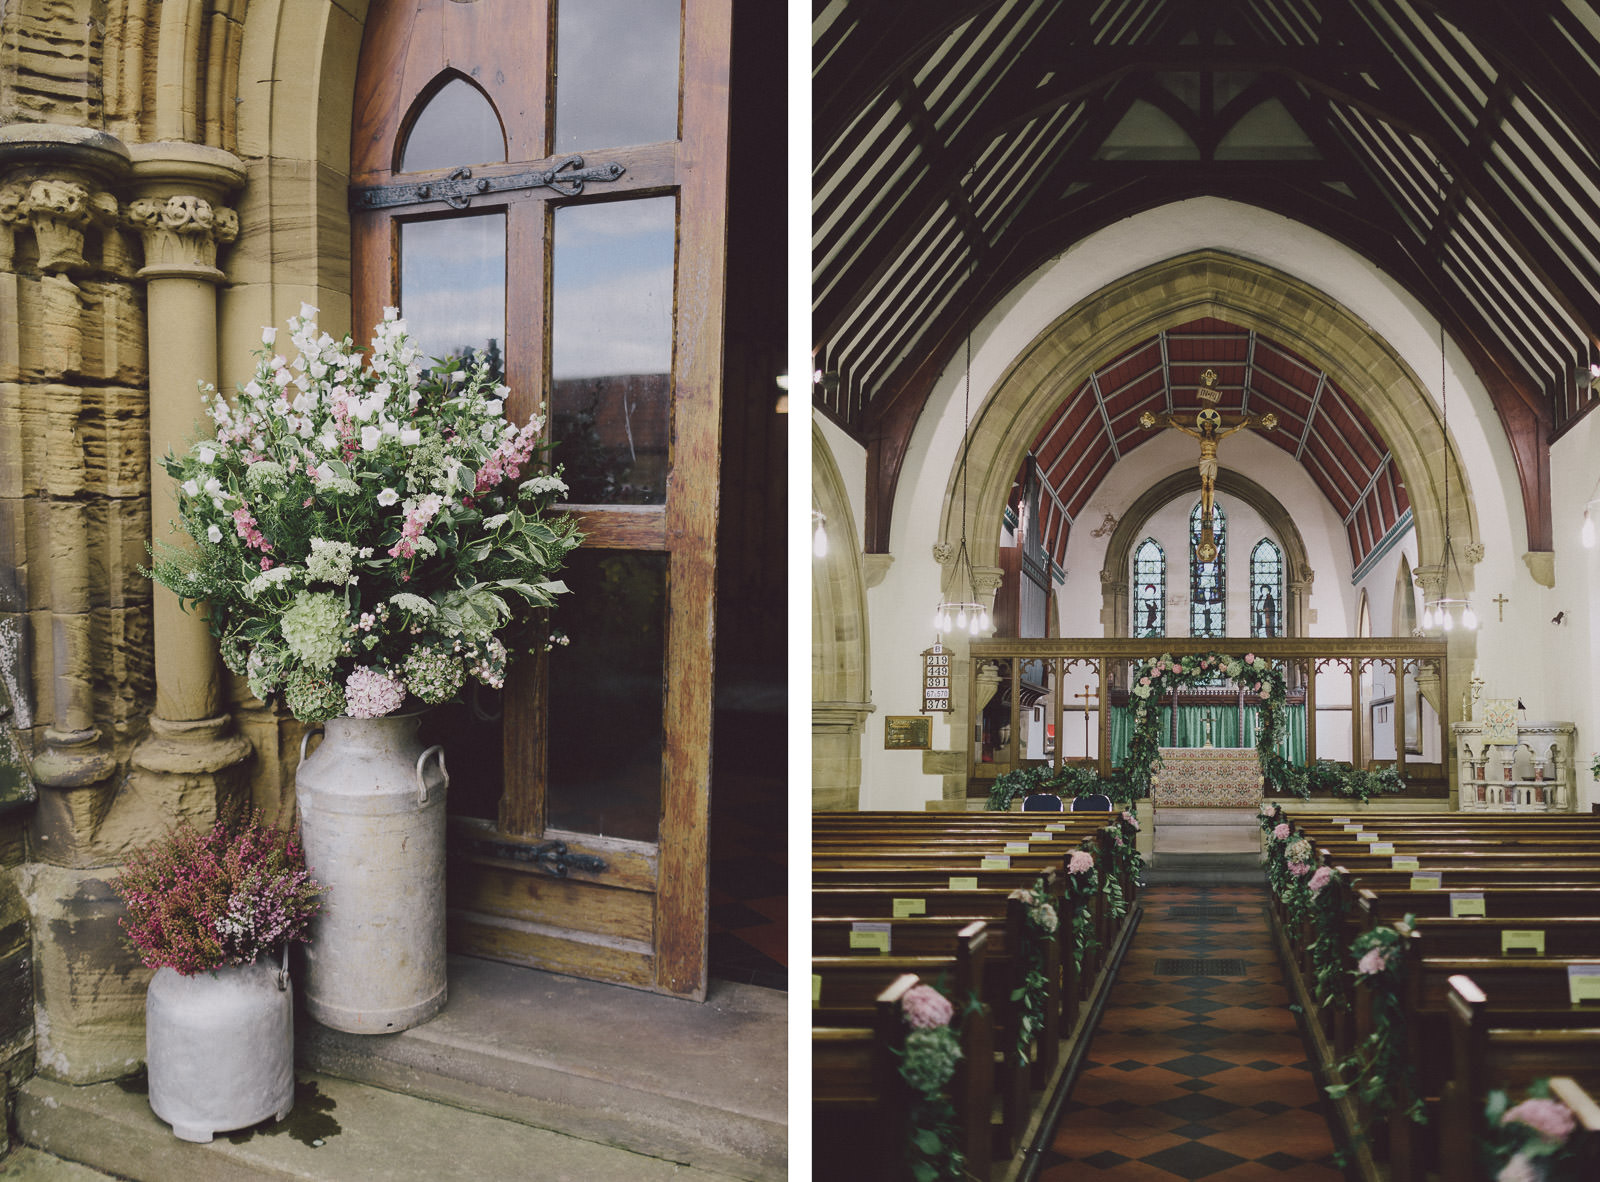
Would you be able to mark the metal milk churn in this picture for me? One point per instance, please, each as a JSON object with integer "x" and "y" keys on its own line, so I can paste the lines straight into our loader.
{"x": 372, "y": 819}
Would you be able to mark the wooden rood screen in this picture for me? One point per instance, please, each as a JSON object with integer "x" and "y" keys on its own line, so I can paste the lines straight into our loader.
{"x": 1366, "y": 702}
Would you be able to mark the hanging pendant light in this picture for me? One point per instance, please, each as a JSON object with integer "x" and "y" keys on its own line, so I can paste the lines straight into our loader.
{"x": 969, "y": 613}
{"x": 1444, "y": 611}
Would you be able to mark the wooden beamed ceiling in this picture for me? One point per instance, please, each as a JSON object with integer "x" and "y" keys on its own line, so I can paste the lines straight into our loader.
{"x": 961, "y": 144}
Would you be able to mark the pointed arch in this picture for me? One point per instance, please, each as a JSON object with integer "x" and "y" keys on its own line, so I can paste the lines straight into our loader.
{"x": 1266, "y": 589}
{"x": 454, "y": 111}
{"x": 1149, "y": 592}
{"x": 1208, "y": 581}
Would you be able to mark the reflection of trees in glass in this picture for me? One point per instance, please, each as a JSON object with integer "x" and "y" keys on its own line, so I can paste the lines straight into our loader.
{"x": 470, "y": 355}
{"x": 1208, "y": 581}
{"x": 610, "y": 435}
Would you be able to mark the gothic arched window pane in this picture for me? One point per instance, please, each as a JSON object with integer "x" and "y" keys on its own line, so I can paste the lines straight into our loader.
{"x": 1266, "y": 589}
{"x": 1149, "y": 590}
{"x": 1208, "y": 581}
{"x": 458, "y": 126}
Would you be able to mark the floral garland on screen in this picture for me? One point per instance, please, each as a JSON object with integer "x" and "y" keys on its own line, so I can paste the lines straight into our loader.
{"x": 1152, "y": 680}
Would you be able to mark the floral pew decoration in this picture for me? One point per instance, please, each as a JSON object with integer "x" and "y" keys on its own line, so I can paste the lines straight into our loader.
{"x": 1530, "y": 1141}
{"x": 932, "y": 1053}
{"x": 1042, "y": 923}
{"x": 1379, "y": 1070}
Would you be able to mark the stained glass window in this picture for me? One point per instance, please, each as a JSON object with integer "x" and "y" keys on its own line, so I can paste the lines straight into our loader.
{"x": 1266, "y": 589}
{"x": 1208, "y": 581}
{"x": 1149, "y": 590}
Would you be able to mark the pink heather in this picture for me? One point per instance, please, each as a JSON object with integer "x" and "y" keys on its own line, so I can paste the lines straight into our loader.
{"x": 1080, "y": 861}
{"x": 1373, "y": 963}
{"x": 1551, "y": 1119}
{"x": 1321, "y": 878}
{"x": 925, "y": 1007}
{"x": 1281, "y": 833}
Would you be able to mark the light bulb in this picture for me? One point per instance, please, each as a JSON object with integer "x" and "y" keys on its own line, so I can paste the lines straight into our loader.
{"x": 819, "y": 542}
{"x": 1588, "y": 531}
{"x": 974, "y": 628}
{"x": 946, "y": 624}
{"x": 938, "y": 620}
{"x": 1427, "y": 617}
{"x": 961, "y": 618}
{"x": 1445, "y": 621}
{"x": 983, "y": 617}
{"x": 1469, "y": 619}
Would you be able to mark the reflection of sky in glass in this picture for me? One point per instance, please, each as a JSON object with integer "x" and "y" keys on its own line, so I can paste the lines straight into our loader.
{"x": 612, "y": 287}
{"x": 458, "y": 126}
{"x": 616, "y": 73}
{"x": 453, "y": 282}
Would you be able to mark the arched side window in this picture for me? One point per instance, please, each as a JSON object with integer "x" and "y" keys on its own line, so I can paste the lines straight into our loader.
{"x": 1149, "y": 590}
{"x": 1208, "y": 581}
{"x": 1266, "y": 589}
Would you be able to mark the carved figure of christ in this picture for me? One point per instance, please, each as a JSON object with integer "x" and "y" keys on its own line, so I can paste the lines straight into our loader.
{"x": 1210, "y": 430}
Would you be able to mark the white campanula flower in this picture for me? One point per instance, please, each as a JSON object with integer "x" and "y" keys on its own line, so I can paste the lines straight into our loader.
{"x": 388, "y": 426}
{"x": 269, "y": 335}
{"x": 305, "y": 403}
{"x": 307, "y": 312}
{"x": 489, "y": 430}
{"x": 208, "y": 455}
{"x": 214, "y": 533}
{"x": 371, "y": 437}
{"x": 191, "y": 488}
{"x": 329, "y": 442}
{"x": 410, "y": 436}
{"x": 388, "y": 497}
{"x": 391, "y": 313}
{"x": 493, "y": 406}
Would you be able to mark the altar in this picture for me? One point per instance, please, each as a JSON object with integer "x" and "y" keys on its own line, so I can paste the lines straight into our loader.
{"x": 1205, "y": 801}
{"x": 1207, "y": 777}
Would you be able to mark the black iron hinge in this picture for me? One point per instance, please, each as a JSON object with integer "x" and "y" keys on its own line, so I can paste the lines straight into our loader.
{"x": 459, "y": 188}
{"x": 549, "y": 856}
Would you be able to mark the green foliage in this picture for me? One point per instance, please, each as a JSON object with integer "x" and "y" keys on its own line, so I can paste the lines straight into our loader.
{"x": 1379, "y": 1070}
{"x": 1327, "y": 777}
{"x": 1030, "y": 996}
{"x": 1022, "y": 781}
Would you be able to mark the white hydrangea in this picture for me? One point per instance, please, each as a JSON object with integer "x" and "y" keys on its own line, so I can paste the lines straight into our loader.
{"x": 330, "y": 562}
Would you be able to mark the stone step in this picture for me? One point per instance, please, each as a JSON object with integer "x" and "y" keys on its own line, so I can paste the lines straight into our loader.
{"x": 1206, "y": 868}
{"x": 700, "y": 1083}
{"x": 340, "y": 1131}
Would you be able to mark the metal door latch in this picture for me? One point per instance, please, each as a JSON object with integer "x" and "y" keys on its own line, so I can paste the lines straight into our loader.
{"x": 549, "y": 856}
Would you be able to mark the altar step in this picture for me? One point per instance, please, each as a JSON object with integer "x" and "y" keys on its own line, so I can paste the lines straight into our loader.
{"x": 1204, "y": 868}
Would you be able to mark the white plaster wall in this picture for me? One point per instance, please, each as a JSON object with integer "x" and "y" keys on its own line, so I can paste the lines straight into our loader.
{"x": 1571, "y": 649}
{"x": 851, "y": 459}
{"x": 901, "y": 607}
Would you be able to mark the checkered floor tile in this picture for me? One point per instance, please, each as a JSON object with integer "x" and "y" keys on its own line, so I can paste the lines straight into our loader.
{"x": 1196, "y": 1077}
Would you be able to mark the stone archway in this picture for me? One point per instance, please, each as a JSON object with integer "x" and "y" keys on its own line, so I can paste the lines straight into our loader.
{"x": 840, "y": 653}
{"x": 1298, "y": 574}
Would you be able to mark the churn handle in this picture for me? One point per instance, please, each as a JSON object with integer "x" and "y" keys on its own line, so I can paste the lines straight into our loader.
{"x": 422, "y": 785}
{"x": 306, "y": 738}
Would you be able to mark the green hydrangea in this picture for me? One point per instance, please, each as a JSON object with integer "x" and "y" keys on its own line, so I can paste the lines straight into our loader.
{"x": 312, "y": 697}
{"x": 930, "y": 1059}
{"x": 330, "y": 562}
{"x": 264, "y": 668}
{"x": 433, "y": 675}
{"x": 314, "y": 628}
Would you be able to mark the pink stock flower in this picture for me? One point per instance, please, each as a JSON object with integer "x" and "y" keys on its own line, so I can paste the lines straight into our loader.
{"x": 1373, "y": 963}
{"x": 1551, "y": 1119}
{"x": 1080, "y": 861}
{"x": 1320, "y": 879}
{"x": 926, "y": 1008}
{"x": 1281, "y": 833}
{"x": 266, "y": 564}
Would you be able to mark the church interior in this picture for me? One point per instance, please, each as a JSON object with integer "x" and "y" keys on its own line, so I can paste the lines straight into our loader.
{"x": 1202, "y": 430}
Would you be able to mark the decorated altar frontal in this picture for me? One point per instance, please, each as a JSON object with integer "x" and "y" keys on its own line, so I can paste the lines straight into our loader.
{"x": 1207, "y": 777}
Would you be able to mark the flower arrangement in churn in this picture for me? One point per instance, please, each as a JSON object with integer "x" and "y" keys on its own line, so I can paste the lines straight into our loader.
{"x": 232, "y": 895}
{"x": 366, "y": 529}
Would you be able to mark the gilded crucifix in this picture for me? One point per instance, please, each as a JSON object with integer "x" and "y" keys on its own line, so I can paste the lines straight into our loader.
{"x": 1210, "y": 430}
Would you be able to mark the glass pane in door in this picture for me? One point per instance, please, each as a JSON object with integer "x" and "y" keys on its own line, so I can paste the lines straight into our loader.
{"x": 606, "y": 695}
{"x": 611, "y": 348}
{"x": 453, "y": 286}
{"x": 616, "y": 73}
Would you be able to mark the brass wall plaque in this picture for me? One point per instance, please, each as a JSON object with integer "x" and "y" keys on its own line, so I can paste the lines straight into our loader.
{"x": 907, "y": 732}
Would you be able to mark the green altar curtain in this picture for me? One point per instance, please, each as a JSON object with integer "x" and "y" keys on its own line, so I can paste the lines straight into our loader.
{"x": 1224, "y": 729}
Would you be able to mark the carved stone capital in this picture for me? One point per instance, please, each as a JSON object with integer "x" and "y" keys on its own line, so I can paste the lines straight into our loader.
{"x": 181, "y": 234}
{"x": 987, "y": 579}
{"x": 58, "y": 210}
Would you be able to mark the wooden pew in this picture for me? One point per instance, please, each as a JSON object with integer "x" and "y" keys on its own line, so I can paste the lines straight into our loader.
{"x": 1495, "y": 1044}
{"x": 861, "y": 1105}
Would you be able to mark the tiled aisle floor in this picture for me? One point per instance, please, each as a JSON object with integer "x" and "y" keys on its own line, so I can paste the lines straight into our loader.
{"x": 1196, "y": 1076}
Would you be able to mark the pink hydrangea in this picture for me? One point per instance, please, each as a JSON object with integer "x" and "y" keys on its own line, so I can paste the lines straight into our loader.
{"x": 1373, "y": 963}
{"x": 925, "y": 1007}
{"x": 1320, "y": 879}
{"x": 1551, "y": 1119}
{"x": 1281, "y": 833}
{"x": 1144, "y": 681}
{"x": 1268, "y": 808}
{"x": 1080, "y": 861}
{"x": 1130, "y": 819}
{"x": 370, "y": 694}
{"x": 1519, "y": 1169}
{"x": 1299, "y": 869}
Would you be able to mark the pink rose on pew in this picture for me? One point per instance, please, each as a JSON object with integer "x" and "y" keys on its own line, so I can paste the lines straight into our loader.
{"x": 1551, "y": 1119}
{"x": 1144, "y": 681}
{"x": 1080, "y": 861}
{"x": 1373, "y": 963}
{"x": 925, "y": 1007}
{"x": 1129, "y": 819}
{"x": 1320, "y": 879}
{"x": 1281, "y": 833}
{"x": 1268, "y": 808}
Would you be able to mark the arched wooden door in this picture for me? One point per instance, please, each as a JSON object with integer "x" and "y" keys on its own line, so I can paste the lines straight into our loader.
{"x": 542, "y": 184}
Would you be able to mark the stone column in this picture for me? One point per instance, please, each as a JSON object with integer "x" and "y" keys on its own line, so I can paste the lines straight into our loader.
{"x": 836, "y": 729}
{"x": 178, "y": 210}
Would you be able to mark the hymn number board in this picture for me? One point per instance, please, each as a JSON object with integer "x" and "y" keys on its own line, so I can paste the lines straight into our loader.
{"x": 935, "y": 679}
